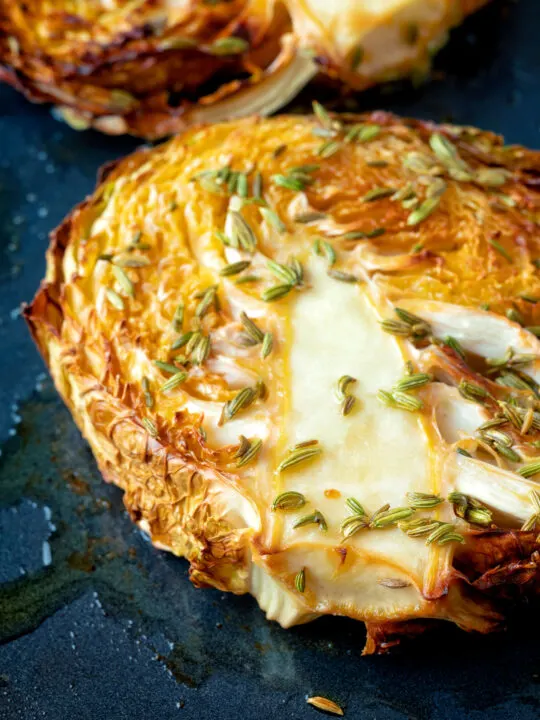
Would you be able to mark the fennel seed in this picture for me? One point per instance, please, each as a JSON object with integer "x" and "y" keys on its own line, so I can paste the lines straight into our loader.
{"x": 234, "y": 268}
{"x": 150, "y": 427}
{"x": 300, "y": 580}
{"x": 276, "y": 292}
{"x": 322, "y": 703}
{"x": 297, "y": 455}
{"x": 267, "y": 345}
{"x": 255, "y": 333}
{"x": 289, "y": 500}
{"x": 391, "y": 517}
{"x": 178, "y": 318}
{"x": 114, "y": 298}
{"x": 253, "y": 449}
{"x": 421, "y": 501}
{"x": 315, "y": 518}
{"x": 173, "y": 382}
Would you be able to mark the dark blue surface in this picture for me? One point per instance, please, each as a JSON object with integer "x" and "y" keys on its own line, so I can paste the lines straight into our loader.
{"x": 97, "y": 624}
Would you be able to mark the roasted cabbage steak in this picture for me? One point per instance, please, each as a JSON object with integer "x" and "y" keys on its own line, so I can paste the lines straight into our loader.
{"x": 151, "y": 67}
{"x": 306, "y": 349}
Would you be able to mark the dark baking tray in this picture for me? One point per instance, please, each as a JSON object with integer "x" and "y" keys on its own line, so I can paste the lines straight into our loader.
{"x": 95, "y": 622}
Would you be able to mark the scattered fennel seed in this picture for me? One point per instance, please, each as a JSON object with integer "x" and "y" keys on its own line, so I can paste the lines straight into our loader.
{"x": 418, "y": 527}
{"x": 506, "y": 452}
{"x": 276, "y": 292}
{"x": 257, "y": 187}
{"x": 362, "y": 234}
{"x": 528, "y": 421}
{"x": 150, "y": 427}
{"x": 400, "y": 400}
{"x": 234, "y": 268}
{"x": 408, "y": 317}
{"x": 515, "y": 316}
{"x": 322, "y": 703}
{"x": 178, "y": 318}
{"x": 131, "y": 262}
{"x": 242, "y": 185}
{"x": 513, "y": 380}
{"x": 322, "y": 247}
{"x": 531, "y": 522}
{"x": 283, "y": 272}
{"x": 347, "y": 405}
{"x": 228, "y": 46}
{"x": 473, "y": 392}
{"x": 500, "y": 249}
{"x": 167, "y": 367}
{"x": 241, "y": 234}
{"x": 423, "y": 211}
{"x": 377, "y": 193}
{"x": 411, "y": 382}
{"x": 407, "y": 325}
{"x": 343, "y": 385}
{"x": 356, "y": 507}
{"x": 243, "y": 399}
{"x": 324, "y": 132}
{"x": 315, "y": 518}
{"x": 532, "y": 468}
{"x": 148, "y": 398}
{"x": 470, "y": 509}
{"x": 450, "y": 537}
{"x": 298, "y": 455}
{"x": 243, "y": 447}
{"x": 455, "y": 345}
{"x": 309, "y": 217}
{"x": 174, "y": 381}
{"x": 329, "y": 148}
{"x": 267, "y": 345}
{"x": 352, "y": 524}
{"x": 439, "y": 533}
{"x": 208, "y": 298}
{"x": 380, "y": 511}
{"x": 391, "y": 517}
{"x": 421, "y": 501}
{"x": 362, "y": 133}
{"x": 300, "y": 580}
{"x": 251, "y": 452}
{"x": 254, "y": 332}
{"x": 443, "y": 148}
{"x": 290, "y": 183}
{"x": 181, "y": 341}
{"x": 497, "y": 436}
{"x": 342, "y": 276}
{"x": 124, "y": 281}
{"x": 320, "y": 113}
{"x": 495, "y": 422}
{"x": 289, "y": 500}
{"x": 201, "y": 351}
{"x": 114, "y": 298}
{"x": 273, "y": 219}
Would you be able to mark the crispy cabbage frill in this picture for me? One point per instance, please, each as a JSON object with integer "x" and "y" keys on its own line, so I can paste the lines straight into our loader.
{"x": 152, "y": 68}
{"x": 307, "y": 350}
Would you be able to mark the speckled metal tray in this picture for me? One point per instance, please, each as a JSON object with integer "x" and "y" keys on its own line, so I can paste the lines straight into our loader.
{"x": 97, "y": 624}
